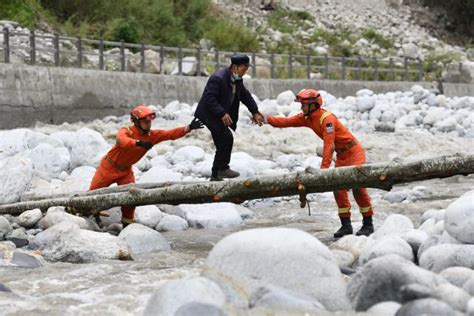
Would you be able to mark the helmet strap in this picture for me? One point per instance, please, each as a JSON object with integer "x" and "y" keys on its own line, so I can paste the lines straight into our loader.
{"x": 137, "y": 124}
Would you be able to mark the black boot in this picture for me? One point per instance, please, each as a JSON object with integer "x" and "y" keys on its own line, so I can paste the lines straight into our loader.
{"x": 346, "y": 228}
{"x": 367, "y": 227}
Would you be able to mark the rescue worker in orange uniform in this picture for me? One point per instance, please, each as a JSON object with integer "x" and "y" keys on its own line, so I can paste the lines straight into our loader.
{"x": 337, "y": 138}
{"x": 131, "y": 145}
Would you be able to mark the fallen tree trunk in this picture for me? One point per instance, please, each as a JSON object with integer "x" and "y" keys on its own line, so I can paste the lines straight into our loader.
{"x": 116, "y": 189}
{"x": 380, "y": 175}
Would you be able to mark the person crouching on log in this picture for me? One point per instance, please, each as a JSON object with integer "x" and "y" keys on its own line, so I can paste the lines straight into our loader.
{"x": 132, "y": 143}
{"x": 349, "y": 153}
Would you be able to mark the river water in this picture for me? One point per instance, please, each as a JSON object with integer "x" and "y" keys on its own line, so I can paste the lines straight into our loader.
{"x": 124, "y": 287}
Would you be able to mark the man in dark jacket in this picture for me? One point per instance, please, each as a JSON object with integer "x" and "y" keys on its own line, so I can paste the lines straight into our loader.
{"x": 218, "y": 109}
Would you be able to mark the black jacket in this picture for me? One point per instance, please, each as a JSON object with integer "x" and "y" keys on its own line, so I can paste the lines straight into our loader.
{"x": 217, "y": 100}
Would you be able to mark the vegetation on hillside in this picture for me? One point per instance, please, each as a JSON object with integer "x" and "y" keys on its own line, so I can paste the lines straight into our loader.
{"x": 460, "y": 12}
{"x": 167, "y": 22}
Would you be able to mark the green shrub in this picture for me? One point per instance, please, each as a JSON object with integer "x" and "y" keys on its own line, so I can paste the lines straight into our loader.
{"x": 121, "y": 29}
{"x": 27, "y": 12}
{"x": 377, "y": 38}
{"x": 227, "y": 35}
{"x": 287, "y": 21}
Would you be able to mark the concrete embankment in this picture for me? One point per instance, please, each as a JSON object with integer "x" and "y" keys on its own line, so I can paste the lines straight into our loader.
{"x": 54, "y": 95}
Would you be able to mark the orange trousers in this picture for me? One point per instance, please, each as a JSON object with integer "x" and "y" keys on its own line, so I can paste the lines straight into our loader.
{"x": 353, "y": 157}
{"x": 105, "y": 175}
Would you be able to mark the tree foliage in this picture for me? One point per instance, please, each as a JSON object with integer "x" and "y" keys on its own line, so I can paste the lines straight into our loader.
{"x": 460, "y": 12}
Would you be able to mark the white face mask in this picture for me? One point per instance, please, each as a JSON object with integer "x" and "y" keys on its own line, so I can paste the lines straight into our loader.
{"x": 236, "y": 76}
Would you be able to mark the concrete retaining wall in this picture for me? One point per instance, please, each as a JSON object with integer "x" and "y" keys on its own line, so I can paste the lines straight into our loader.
{"x": 55, "y": 95}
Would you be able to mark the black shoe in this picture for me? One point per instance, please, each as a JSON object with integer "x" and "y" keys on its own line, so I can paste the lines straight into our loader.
{"x": 227, "y": 173}
{"x": 367, "y": 227}
{"x": 216, "y": 179}
{"x": 346, "y": 228}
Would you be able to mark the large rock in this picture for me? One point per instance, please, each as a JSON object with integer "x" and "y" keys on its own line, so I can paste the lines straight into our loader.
{"x": 211, "y": 215}
{"x": 381, "y": 279}
{"x": 440, "y": 257}
{"x": 148, "y": 215}
{"x": 411, "y": 51}
{"x": 457, "y": 276}
{"x": 245, "y": 261}
{"x": 457, "y": 73}
{"x": 171, "y": 222}
{"x": 388, "y": 308}
{"x": 87, "y": 148}
{"x": 48, "y": 161}
{"x": 142, "y": 239}
{"x": 67, "y": 242}
{"x": 188, "y": 153}
{"x": 176, "y": 293}
{"x": 350, "y": 243}
{"x": 189, "y": 67}
{"x": 29, "y": 218}
{"x": 275, "y": 298}
{"x": 160, "y": 174}
{"x": 5, "y": 227}
{"x": 426, "y": 306}
{"x": 459, "y": 218}
{"x": 152, "y": 62}
{"x": 57, "y": 214}
{"x": 18, "y": 140}
{"x": 285, "y": 98}
{"x": 386, "y": 245}
{"x": 395, "y": 224}
{"x": 196, "y": 308}
{"x": 19, "y": 259}
{"x": 15, "y": 178}
{"x": 415, "y": 238}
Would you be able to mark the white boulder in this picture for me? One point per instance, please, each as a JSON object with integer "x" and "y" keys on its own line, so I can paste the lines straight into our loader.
{"x": 386, "y": 245}
{"x": 394, "y": 224}
{"x": 15, "y": 178}
{"x": 459, "y": 218}
{"x": 440, "y": 257}
{"x": 159, "y": 174}
{"x": 285, "y": 98}
{"x": 248, "y": 260}
{"x": 142, "y": 239}
{"x": 171, "y": 223}
{"x": 148, "y": 215}
{"x": 210, "y": 215}
{"x": 176, "y": 293}
{"x": 29, "y": 218}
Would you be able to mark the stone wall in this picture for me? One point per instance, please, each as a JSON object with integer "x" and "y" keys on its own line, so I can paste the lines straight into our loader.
{"x": 54, "y": 95}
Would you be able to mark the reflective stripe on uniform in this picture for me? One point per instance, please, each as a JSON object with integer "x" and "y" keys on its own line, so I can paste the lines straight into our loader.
{"x": 129, "y": 129}
{"x": 343, "y": 210}
{"x": 325, "y": 114}
{"x": 365, "y": 209}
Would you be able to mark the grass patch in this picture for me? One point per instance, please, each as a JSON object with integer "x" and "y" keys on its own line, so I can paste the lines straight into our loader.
{"x": 287, "y": 21}
{"x": 375, "y": 37}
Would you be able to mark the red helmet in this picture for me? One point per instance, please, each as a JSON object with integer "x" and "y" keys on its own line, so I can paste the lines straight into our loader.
{"x": 309, "y": 96}
{"x": 142, "y": 112}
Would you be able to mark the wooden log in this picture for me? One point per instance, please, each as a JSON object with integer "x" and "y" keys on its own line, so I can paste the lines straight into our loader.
{"x": 380, "y": 175}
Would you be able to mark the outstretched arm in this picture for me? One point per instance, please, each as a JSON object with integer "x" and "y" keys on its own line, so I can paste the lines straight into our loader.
{"x": 171, "y": 134}
{"x": 292, "y": 121}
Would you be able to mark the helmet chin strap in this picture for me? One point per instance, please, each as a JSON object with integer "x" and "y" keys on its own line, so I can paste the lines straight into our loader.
{"x": 137, "y": 124}
{"x": 311, "y": 109}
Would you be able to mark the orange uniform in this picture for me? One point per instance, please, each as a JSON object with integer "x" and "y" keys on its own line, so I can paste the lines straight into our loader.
{"x": 337, "y": 138}
{"x": 116, "y": 165}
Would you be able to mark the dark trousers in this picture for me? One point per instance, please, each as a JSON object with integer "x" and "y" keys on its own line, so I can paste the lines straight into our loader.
{"x": 224, "y": 141}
